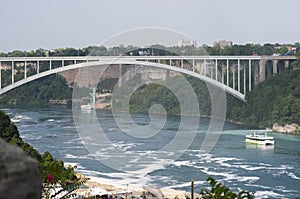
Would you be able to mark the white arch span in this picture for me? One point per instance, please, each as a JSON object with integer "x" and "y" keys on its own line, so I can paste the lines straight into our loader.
{"x": 211, "y": 81}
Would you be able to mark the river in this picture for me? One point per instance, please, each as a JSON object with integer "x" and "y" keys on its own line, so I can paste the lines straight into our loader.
{"x": 272, "y": 172}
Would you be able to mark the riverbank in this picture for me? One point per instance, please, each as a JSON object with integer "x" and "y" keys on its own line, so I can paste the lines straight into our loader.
{"x": 97, "y": 185}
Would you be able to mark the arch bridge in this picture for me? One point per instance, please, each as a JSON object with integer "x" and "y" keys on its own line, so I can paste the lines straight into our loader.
{"x": 235, "y": 74}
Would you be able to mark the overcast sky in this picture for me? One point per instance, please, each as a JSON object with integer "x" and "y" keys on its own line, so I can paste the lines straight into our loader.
{"x": 32, "y": 24}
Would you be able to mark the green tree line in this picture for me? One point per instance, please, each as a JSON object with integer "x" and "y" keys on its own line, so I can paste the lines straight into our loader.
{"x": 38, "y": 92}
{"x": 276, "y": 100}
{"x": 236, "y": 49}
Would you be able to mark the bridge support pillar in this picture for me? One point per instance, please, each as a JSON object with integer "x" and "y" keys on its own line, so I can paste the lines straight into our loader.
{"x": 227, "y": 72}
{"x": 120, "y": 75}
{"x": 233, "y": 76}
{"x": 25, "y": 70}
{"x": 275, "y": 63}
{"x": 12, "y": 72}
{"x": 250, "y": 75}
{"x": 193, "y": 65}
{"x": 262, "y": 67}
{"x": 239, "y": 76}
{"x": 216, "y": 72}
{"x": 286, "y": 64}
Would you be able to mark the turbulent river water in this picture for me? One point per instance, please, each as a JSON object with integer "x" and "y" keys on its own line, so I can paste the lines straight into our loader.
{"x": 271, "y": 172}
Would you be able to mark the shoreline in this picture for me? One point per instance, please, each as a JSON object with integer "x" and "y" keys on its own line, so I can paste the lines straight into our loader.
{"x": 131, "y": 191}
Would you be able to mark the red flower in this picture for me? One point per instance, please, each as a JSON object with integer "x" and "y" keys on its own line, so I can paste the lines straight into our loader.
{"x": 50, "y": 178}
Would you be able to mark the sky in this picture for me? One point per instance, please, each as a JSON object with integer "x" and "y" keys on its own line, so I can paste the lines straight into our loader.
{"x": 48, "y": 24}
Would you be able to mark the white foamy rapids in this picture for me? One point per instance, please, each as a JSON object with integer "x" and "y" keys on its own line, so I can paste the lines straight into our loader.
{"x": 267, "y": 194}
{"x": 138, "y": 177}
{"x": 270, "y": 192}
{"x": 292, "y": 175}
{"x": 73, "y": 141}
{"x": 19, "y": 118}
{"x": 237, "y": 163}
{"x": 120, "y": 180}
{"x": 30, "y": 136}
{"x": 123, "y": 145}
{"x": 228, "y": 173}
{"x": 85, "y": 157}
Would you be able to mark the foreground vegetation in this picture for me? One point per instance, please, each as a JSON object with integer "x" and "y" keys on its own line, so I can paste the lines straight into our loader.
{"x": 220, "y": 191}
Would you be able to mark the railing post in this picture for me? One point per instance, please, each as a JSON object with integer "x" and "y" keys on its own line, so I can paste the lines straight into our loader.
{"x": 50, "y": 65}
{"x": 192, "y": 189}
{"x": 170, "y": 62}
{"x": 38, "y": 67}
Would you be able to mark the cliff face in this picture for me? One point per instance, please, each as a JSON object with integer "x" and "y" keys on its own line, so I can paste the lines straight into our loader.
{"x": 92, "y": 75}
{"x": 288, "y": 128}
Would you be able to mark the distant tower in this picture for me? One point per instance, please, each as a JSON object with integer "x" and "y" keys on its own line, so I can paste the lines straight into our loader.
{"x": 184, "y": 43}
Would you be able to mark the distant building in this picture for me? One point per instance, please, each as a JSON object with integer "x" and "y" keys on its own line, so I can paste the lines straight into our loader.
{"x": 184, "y": 43}
{"x": 222, "y": 43}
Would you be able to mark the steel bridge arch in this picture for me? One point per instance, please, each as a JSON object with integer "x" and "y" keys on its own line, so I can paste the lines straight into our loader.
{"x": 209, "y": 80}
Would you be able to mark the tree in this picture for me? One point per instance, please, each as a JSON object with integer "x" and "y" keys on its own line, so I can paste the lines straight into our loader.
{"x": 220, "y": 191}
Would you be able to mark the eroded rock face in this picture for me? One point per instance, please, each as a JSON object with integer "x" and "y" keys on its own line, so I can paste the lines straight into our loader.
{"x": 288, "y": 128}
{"x": 19, "y": 174}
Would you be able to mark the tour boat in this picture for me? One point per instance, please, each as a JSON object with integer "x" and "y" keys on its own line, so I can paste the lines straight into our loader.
{"x": 260, "y": 139}
{"x": 86, "y": 107}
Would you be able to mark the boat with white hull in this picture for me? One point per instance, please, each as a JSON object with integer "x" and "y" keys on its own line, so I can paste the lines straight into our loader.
{"x": 260, "y": 139}
{"x": 86, "y": 107}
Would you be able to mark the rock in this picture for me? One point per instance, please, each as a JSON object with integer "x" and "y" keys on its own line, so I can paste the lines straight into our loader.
{"x": 288, "y": 128}
{"x": 19, "y": 174}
